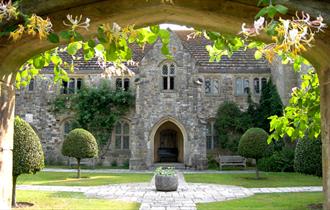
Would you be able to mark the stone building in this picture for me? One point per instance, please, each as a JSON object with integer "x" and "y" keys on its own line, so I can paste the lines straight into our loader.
{"x": 175, "y": 107}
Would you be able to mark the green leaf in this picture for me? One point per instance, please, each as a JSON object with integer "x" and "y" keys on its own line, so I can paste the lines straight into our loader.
{"x": 24, "y": 74}
{"x": 99, "y": 48}
{"x": 56, "y": 60}
{"x": 66, "y": 35}
{"x": 53, "y": 38}
{"x": 91, "y": 43}
{"x": 164, "y": 34}
{"x": 24, "y": 83}
{"x": 34, "y": 72}
{"x": 262, "y": 2}
{"x": 165, "y": 51}
{"x": 111, "y": 53}
{"x": 152, "y": 39}
{"x": 296, "y": 66}
{"x": 77, "y": 36}
{"x": 290, "y": 131}
{"x": 271, "y": 11}
{"x": 18, "y": 77}
{"x": 271, "y": 28}
{"x": 261, "y": 13}
{"x": 155, "y": 29}
{"x": 39, "y": 62}
{"x": 252, "y": 45}
{"x": 258, "y": 54}
{"x": 281, "y": 9}
{"x": 73, "y": 48}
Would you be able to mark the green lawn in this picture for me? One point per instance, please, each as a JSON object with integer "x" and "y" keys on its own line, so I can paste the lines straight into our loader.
{"x": 89, "y": 179}
{"x": 86, "y": 167}
{"x": 247, "y": 180}
{"x": 274, "y": 201}
{"x": 70, "y": 200}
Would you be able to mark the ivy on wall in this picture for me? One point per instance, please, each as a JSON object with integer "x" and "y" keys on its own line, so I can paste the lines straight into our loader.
{"x": 96, "y": 109}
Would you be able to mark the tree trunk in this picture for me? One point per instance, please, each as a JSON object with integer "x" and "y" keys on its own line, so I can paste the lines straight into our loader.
{"x": 257, "y": 170}
{"x": 78, "y": 168}
{"x": 13, "y": 201}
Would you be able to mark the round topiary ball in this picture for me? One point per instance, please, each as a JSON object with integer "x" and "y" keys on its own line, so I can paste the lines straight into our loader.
{"x": 253, "y": 144}
{"x": 308, "y": 157}
{"x": 80, "y": 143}
{"x": 28, "y": 156}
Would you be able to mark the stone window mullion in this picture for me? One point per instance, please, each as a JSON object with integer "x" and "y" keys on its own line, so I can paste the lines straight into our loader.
{"x": 212, "y": 134}
{"x": 122, "y": 136}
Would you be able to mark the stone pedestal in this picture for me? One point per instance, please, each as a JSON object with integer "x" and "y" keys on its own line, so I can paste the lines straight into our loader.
{"x": 7, "y": 105}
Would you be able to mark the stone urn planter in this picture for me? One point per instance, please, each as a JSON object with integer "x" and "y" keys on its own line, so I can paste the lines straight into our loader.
{"x": 166, "y": 179}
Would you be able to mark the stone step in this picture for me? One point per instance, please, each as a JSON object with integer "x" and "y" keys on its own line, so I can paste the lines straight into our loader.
{"x": 178, "y": 166}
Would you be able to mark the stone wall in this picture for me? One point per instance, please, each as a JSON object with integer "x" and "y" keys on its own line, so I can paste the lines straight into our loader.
{"x": 187, "y": 106}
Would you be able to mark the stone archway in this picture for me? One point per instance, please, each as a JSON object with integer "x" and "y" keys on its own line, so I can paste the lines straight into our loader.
{"x": 168, "y": 143}
{"x": 218, "y": 15}
{"x": 168, "y": 132}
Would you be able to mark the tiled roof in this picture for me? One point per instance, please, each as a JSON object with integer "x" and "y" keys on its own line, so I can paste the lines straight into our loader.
{"x": 240, "y": 62}
{"x": 92, "y": 65}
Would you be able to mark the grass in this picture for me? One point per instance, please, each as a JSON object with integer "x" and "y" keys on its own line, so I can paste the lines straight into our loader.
{"x": 247, "y": 180}
{"x": 274, "y": 201}
{"x": 69, "y": 200}
{"x": 89, "y": 179}
{"x": 86, "y": 167}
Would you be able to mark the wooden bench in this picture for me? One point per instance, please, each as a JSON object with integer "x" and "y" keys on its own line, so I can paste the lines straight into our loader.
{"x": 231, "y": 161}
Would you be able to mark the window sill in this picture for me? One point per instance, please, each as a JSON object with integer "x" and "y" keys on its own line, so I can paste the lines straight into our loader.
{"x": 212, "y": 95}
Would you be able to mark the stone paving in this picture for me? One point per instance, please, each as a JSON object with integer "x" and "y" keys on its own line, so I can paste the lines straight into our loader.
{"x": 185, "y": 198}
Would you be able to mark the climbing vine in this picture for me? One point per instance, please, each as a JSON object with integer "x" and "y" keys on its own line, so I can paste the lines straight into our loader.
{"x": 96, "y": 109}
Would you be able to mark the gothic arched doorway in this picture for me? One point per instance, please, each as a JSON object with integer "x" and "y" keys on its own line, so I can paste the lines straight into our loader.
{"x": 168, "y": 143}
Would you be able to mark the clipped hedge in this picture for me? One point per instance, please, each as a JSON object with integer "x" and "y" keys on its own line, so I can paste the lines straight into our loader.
{"x": 28, "y": 156}
{"x": 279, "y": 161}
{"x": 308, "y": 157}
{"x": 80, "y": 143}
{"x": 253, "y": 144}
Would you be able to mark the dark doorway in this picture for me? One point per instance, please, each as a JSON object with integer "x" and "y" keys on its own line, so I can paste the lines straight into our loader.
{"x": 168, "y": 146}
{"x": 168, "y": 143}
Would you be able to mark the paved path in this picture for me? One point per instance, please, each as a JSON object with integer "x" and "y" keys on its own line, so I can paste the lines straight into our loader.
{"x": 185, "y": 198}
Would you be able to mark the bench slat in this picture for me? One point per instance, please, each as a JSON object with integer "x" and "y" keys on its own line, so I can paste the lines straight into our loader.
{"x": 231, "y": 160}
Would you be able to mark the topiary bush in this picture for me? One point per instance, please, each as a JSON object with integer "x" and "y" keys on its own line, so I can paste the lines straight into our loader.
{"x": 253, "y": 144}
{"x": 80, "y": 144}
{"x": 279, "y": 161}
{"x": 308, "y": 157}
{"x": 28, "y": 156}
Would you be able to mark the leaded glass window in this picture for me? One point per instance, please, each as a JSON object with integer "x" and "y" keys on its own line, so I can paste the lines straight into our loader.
{"x": 122, "y": 135}
{"x": 168, "y": 75}
{"x": 212, "y": 139}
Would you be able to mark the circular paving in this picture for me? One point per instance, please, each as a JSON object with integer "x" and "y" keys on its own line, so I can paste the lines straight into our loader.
{"x": 186, "y": 196}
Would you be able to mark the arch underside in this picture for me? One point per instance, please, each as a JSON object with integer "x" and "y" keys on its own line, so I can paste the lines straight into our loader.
{"x": 222, "y": 16}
